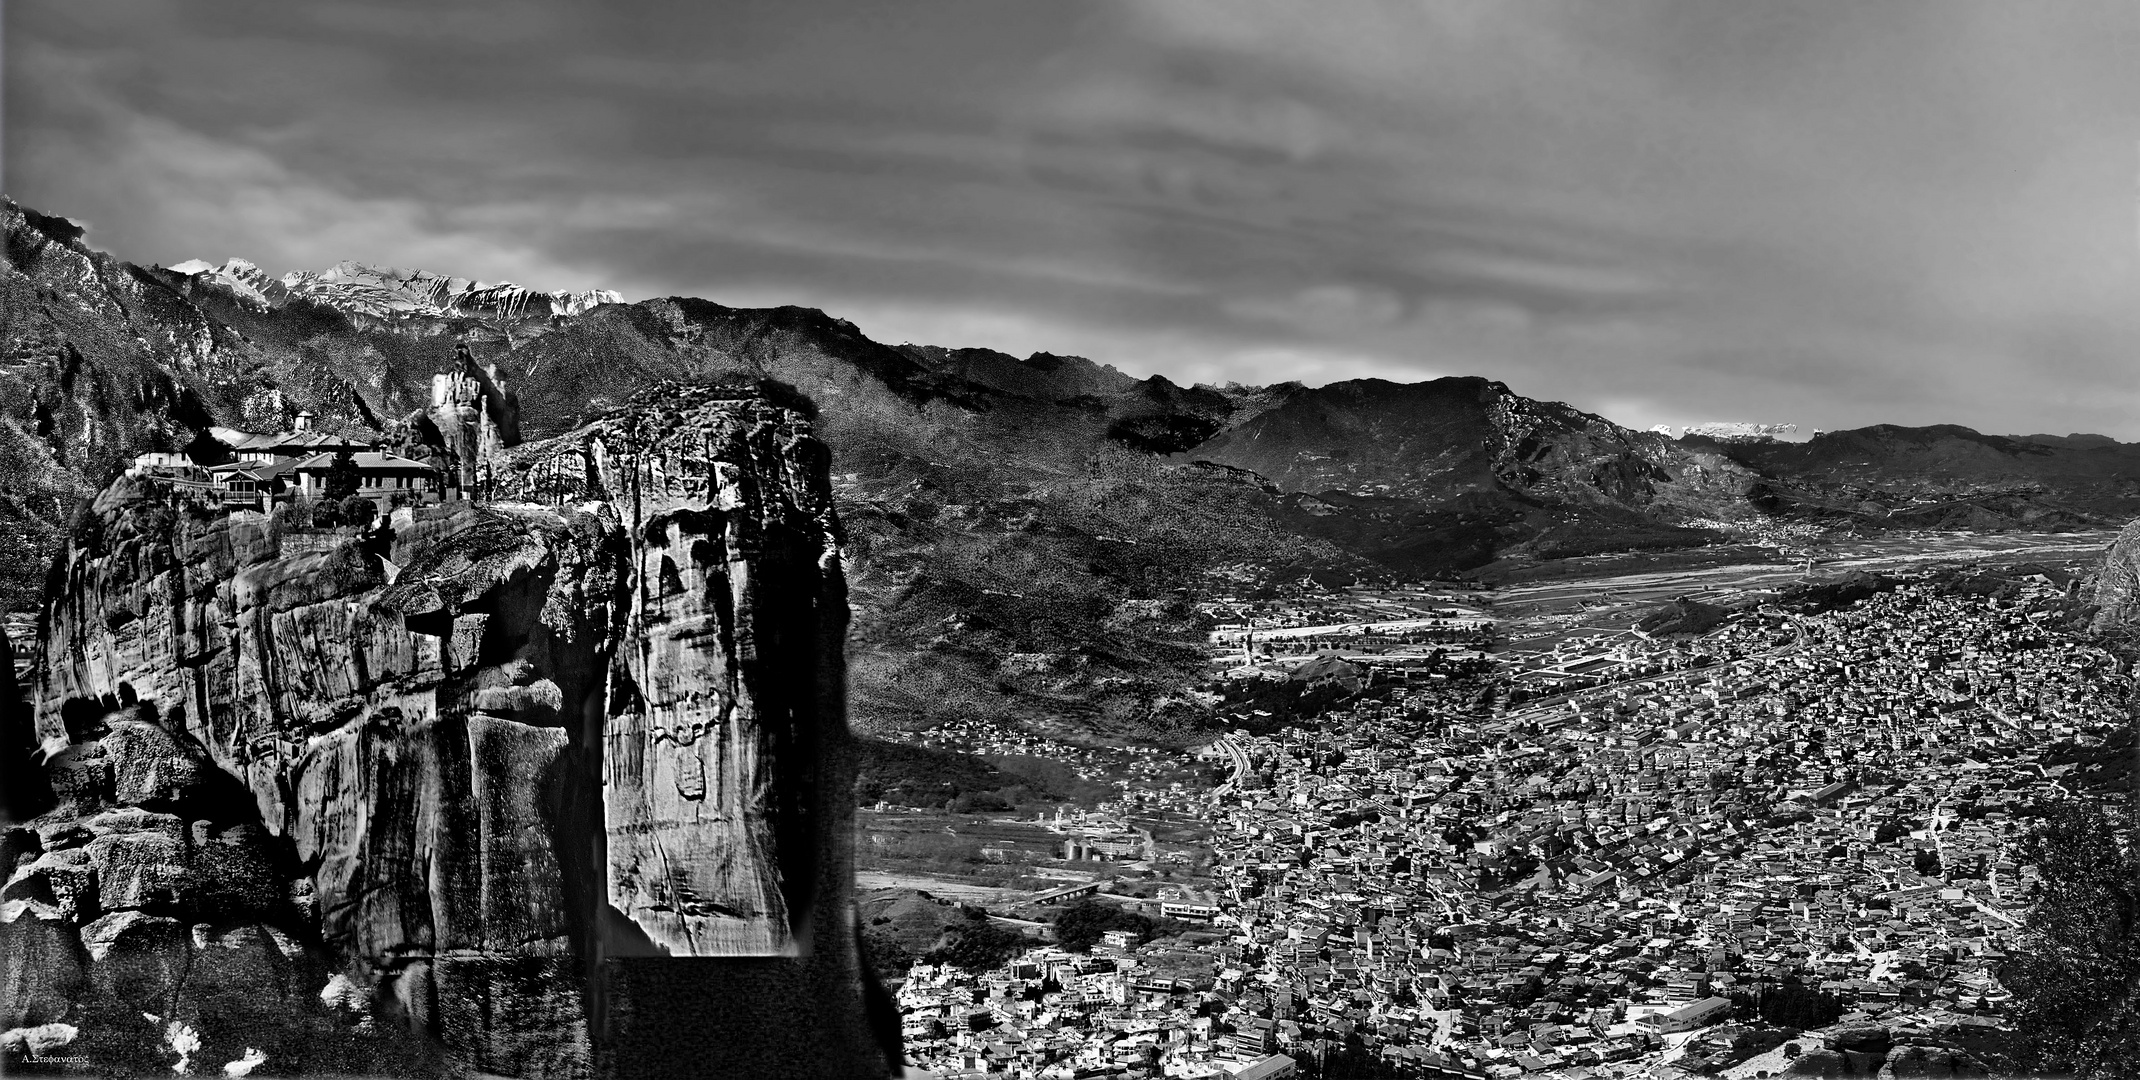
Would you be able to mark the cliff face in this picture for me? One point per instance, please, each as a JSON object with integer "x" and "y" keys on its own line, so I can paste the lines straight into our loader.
{"x": 402, "y": 715}
{"x": 2115, "y": 588}
{"x": 732, "y": 685}
{"x": 419, "y": 754}
{"x": 727, "y": 762}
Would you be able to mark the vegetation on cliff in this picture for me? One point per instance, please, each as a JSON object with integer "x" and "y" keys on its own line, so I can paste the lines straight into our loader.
{"x": 2076, "y": 976}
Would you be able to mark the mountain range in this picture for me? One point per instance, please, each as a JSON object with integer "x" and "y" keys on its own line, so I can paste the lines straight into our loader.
{"x": 1023, "y": 535}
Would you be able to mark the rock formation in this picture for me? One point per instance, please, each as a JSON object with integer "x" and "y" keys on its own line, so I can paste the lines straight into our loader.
{"x": 470, "y": 421}
{"x": 737, "y": 618}
{"x": 2114, "y": 589}
{"x": 727, "y": 763}
{"x": 407, "y": 765}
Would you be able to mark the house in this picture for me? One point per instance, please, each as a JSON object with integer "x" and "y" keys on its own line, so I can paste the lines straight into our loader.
{"x": 299, "y": 442}
{"x": 162, "y": 463}
{"x": 379, "y": 475}
{"x": 249, "y": 485}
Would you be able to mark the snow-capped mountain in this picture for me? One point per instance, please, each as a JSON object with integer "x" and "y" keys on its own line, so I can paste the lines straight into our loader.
{"x": 393, "y": 293}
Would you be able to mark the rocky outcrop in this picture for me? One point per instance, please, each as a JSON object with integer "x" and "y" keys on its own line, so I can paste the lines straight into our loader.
{"x": 1942, "y": 1049}
{"x": 726, "y": 757}
{"x": 2115, "y": 587}
{"x": 397, "y": 713}
{"x": 485, "y": 768}
{"x": 148, "y": 915}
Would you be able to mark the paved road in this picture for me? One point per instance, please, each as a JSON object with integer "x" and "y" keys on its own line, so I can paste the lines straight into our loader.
{"x": 1240, "y": 764}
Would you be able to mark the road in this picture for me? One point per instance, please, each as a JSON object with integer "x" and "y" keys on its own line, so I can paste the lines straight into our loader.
{"x": 868, "y": 880}
{"x": 1240, "y": 764}
{"x": 1659, "y": 585}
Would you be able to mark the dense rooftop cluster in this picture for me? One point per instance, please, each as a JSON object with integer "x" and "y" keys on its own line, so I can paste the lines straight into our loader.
{"x": 1108, "y": 764}
{"x": 1816, "y": 827}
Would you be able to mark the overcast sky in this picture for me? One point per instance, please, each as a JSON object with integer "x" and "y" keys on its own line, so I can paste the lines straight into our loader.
{"x": 1830, "y": 214}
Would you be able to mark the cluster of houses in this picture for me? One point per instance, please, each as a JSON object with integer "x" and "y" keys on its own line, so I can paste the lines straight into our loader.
{"x": 1818, "y": 829}
{"x": 297, "y": 466}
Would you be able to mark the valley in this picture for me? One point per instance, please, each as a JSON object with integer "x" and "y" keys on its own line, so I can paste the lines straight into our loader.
{"x": 1796, "y": 813}
{"x": 1423, "y": 729}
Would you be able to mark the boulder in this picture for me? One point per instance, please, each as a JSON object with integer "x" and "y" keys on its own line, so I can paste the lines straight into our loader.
{"x": 60, "y": 833}
{"x": 153, "y": 767}
{"x": 239, "y": 992}
{"x": 1871, "y": 1038}
{"x": 140, "y": 871}
{"x": 1823, "y": 1063}
{"x": 65, "y": 879}
{"x": 1904, "y": 1062}
{"x": 138, "y": 960}
{"x": 41, "y": 965}
{"x": 131, "y": 819}
{"x": 80, "y": 775}
{"x": 37, "y": 1041}
{"x": 232, "y": 876}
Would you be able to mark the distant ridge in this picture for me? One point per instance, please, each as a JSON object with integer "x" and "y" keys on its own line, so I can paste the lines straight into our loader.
{"x": 392, "y": 293}
{"x": 1021, "y": 531}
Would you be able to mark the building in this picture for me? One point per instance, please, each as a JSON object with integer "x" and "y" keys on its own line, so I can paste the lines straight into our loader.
{"x": 1201, "y": 906}
{"x": 1273, "y": 1067}
{"x": 249, "y": 485}
{"x": 1701, "y": 1013}
{"x": 299, "y": 442}
{"x": 1087, "y": 848}
{"x": 380, "y": 475}
{"x": 162, "y": 463}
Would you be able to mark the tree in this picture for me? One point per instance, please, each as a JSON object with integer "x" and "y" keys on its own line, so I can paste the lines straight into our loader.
{"x": 1080, "y": 925}
{"x": 358, "y": 510}
{"x": 2075, "y": 973}
{"x": 978, "y": 945}
{"x": 343, "y": 478}
{"x": 1926, "y": 862}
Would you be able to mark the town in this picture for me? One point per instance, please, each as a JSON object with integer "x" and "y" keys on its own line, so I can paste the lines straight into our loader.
{"x": 1697, "y": 864}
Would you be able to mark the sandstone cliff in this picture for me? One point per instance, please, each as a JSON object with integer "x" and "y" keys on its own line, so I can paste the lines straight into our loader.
{"x": 421, "y": 765}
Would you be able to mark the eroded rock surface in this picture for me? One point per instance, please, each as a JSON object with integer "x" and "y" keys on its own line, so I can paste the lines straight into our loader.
{"x": 413, "y": 772}
{"x": 726, "y": 757}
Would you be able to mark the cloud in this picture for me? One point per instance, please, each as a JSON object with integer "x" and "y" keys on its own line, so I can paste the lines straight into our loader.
{"x": 1911, "y": 212}
{"x": 1325, "y": 305}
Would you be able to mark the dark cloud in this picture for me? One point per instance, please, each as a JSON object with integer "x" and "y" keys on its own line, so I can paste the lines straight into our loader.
{"x": 1829, "y": 213}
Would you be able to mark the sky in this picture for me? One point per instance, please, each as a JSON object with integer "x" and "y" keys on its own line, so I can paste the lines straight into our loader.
{"x": 1827, "y": 214}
